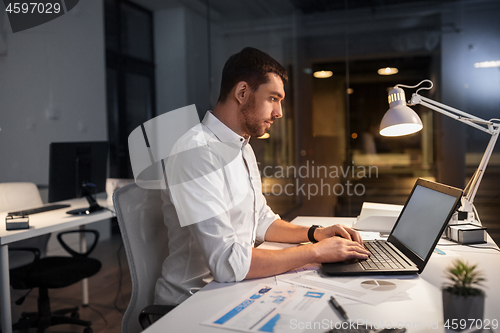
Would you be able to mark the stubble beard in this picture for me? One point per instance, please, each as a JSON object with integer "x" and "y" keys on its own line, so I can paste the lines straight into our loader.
{"x": 255, "y": 127}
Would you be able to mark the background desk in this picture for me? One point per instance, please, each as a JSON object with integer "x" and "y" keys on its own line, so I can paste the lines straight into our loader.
{"x": 422, "y": 305}
{"x": 40, "y": 224}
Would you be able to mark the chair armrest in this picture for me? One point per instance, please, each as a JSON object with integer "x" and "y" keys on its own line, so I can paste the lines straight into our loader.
{"x": 36, "y": 252}
{"x": 153, "y": 310}
{"x": 73, "y": 252}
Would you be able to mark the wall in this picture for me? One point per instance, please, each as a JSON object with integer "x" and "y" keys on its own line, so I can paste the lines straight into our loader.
{"x": 181, "y": 55}
{"x": 52, "y": 80}
{"x": 229, "y": 38}
{"x": 170, "y": 57}
{"x": 470, "y": 89}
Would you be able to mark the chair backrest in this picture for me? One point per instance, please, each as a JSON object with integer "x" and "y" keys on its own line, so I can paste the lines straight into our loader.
{"x": 145, "y": 238}
{"x": 18, "y": 196}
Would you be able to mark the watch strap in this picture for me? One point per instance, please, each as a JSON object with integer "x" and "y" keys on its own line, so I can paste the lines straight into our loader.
{"x": 310, "y": 233}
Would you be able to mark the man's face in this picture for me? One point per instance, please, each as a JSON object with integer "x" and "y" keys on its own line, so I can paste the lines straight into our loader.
{"x": 263, "y": 106}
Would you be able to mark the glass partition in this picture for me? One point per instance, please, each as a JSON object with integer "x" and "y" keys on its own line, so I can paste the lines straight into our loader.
{"x": 325, "y": 156}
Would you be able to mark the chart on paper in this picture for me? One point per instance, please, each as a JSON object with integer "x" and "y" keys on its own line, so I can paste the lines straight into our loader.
{"x": 270, "y": 309}
{"x": 371, "y": 291}
{"x": 378, "y": 285}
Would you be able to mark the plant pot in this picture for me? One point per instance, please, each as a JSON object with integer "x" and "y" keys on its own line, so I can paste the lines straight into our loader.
{"x": 461, "y": 307}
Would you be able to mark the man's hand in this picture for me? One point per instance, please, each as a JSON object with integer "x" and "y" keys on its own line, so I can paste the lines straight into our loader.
{"x": 338, "y": 230}
{"x": 334, "y": 249}
{"x": 339, "y": 243}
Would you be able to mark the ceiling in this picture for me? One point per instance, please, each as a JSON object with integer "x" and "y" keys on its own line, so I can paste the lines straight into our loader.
{"x": 233, "y": 10}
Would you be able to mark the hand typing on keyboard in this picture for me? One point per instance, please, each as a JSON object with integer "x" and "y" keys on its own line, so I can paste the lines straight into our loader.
{"x": 338, "y": 230}
{"x": 347, "y": 246}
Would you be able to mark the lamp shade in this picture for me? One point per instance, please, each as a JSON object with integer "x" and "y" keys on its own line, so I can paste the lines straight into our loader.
{"x": 399, "y": 119}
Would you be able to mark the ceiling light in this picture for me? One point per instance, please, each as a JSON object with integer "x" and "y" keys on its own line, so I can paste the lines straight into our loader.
{"x": 388, "y": 71}
{"x": 264, "y": 136}
{"x": 322, "y": 74}
{"x": 487, "y": 64}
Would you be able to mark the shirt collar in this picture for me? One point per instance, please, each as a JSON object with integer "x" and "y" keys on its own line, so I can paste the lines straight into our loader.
{"x": 221, "y": 131}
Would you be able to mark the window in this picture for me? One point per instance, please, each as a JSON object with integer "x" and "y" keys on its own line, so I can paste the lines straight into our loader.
{"x": 130, "y": 77}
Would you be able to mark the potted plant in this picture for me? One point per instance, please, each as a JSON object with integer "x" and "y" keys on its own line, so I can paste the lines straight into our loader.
{"x": 463, "y": 301}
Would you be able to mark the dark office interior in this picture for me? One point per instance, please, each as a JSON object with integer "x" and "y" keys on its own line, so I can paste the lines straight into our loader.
{"x": 108, "y": 66}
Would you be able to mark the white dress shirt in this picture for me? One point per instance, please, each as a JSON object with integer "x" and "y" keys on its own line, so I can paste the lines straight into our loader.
{"x": 214, "y": 210}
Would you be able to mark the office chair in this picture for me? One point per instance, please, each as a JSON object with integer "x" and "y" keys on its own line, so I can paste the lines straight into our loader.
{"x": 18, "y": 196}
{"x": 45, "y": 272}
{"x": 145, "y": 238}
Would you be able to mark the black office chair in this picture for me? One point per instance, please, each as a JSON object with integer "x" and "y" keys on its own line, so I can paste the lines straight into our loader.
{"x": 50, "y": 273}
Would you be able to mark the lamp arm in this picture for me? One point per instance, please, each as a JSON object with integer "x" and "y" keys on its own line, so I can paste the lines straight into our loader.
{"x": 492, "y": 128}
{"x": 463, "y": 117}
{"x": 478, "y": 175}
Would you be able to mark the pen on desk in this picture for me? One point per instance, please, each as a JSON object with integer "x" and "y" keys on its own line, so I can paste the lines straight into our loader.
{"x": 337, "y": 307}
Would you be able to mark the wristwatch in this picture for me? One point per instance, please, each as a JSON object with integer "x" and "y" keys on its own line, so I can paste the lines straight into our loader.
{"x": 310, "y": 233}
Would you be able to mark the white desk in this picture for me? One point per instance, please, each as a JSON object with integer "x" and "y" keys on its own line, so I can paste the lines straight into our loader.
{"x": 420, "y": 306}
{"x": 40, "y": 224}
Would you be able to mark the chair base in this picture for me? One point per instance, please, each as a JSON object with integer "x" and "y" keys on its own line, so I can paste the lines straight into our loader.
{"x": 33, "y": 320}
{"x": 45, "y": 318}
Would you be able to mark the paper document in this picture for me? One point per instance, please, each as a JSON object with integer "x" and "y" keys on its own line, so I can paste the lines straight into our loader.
{"x": 270, "y": 309}
{"x": 369, "y": 235}
{"x": 377, "y": 217}
{"x": 365, "y": 289}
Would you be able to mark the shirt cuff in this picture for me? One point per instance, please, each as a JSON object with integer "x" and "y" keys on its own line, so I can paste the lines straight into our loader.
{"x": 239, "y": 260}
{"x": 265, "y": 221}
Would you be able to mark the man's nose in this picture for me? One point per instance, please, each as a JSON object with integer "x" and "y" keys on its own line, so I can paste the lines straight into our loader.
{"x": 277, "y": 112}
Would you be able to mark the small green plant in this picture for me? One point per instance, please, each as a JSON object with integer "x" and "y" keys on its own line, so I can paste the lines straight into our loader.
{"x": 464, "y": 278}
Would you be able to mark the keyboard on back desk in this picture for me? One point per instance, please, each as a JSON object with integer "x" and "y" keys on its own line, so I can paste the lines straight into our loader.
{"x": 38, "y": 210}
{"x": 381, "y": 257}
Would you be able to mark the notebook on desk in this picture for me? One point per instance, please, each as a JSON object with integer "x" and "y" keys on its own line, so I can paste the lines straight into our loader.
{"x": 414, "y": 236}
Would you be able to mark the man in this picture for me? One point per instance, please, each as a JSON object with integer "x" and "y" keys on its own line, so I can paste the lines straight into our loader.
{"x": 219, "y": 200}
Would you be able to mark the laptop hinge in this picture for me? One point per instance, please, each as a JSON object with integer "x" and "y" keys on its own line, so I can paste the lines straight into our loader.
{"x": 401, "y": 254}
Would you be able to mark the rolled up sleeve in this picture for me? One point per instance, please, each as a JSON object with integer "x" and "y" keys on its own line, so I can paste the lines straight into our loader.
{"x": 227, "y": 259}
{"x": 266, "y": 218}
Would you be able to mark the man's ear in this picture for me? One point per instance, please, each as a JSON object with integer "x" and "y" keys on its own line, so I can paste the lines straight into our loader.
{"x": 241, "y": 92}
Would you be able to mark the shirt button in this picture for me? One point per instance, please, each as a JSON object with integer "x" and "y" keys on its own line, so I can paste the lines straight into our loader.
{"x": 241, "y": 139}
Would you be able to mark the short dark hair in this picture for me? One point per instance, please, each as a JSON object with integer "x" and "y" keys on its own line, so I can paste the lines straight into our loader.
{"x": 252, "y": 66}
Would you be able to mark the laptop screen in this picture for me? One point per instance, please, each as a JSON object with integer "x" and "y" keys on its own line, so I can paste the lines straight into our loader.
{"x": 422, "y": 219}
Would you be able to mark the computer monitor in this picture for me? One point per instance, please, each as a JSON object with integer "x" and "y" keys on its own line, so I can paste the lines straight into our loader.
{"x": 78, "y": 169}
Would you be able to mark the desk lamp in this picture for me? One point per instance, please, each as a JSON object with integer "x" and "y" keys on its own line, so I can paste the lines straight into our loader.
{"x": 401, "y": 120}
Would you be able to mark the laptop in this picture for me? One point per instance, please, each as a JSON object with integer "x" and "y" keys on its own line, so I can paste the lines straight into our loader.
{"x": 414, "y": 236}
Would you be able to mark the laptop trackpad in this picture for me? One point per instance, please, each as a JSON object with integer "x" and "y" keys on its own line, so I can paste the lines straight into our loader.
{"x": 341, "y": 268}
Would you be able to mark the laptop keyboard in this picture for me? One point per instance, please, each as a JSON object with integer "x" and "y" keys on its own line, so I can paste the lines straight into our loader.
{"x": 381, "y": 257}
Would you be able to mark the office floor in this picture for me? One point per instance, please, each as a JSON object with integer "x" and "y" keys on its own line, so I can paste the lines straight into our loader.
{"x": 103, "y": 289}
